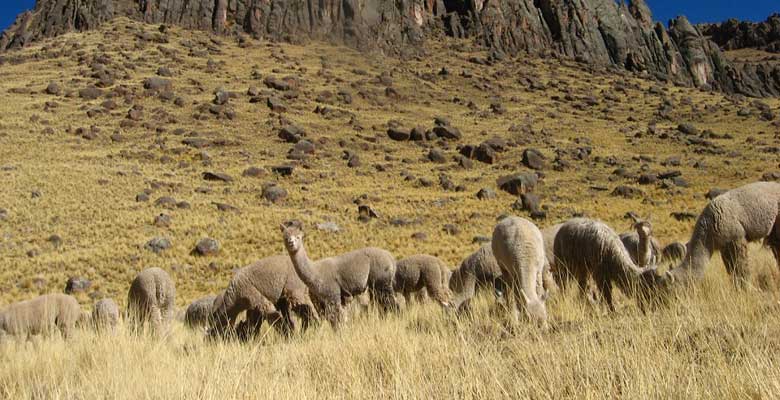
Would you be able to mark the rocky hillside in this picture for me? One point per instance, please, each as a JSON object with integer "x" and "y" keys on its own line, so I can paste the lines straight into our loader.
{"x": 734, "y": 34}
{"x": 601, "y": 32}
{"x": 131, "y": 146}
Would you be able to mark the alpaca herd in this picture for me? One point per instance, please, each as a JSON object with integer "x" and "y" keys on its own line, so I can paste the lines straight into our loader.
{"x": 522, "y": 264}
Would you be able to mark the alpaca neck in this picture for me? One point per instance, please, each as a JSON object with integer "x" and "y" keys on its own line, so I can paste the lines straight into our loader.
{"x": 699, "y": 253}
{"x": 305, "y": 269}
{"x": 645, "y": 252}
{"x": 627, "y": 273}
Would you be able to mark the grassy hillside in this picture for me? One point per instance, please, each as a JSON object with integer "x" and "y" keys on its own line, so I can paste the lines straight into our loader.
{"x": 73, "y": 169}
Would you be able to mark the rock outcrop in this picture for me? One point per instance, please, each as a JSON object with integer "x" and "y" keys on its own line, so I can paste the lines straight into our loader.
{"x": 734, "y": 34}
{"x": 597, "y": 32}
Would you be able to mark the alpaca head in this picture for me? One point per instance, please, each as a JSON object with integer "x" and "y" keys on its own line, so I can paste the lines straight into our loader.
{"x": 293, "y": 235}
{"x": 644, "y": 228}
{"x": 654, "y": 288}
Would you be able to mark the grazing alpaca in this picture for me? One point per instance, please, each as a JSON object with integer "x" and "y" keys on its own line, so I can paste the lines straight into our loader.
{"x": 519, "y": 249}
{"x": 728, "y": 223}
{"x": 105, "y": 315}
{"x": 198, "y": 313}
{"x": 334, "y": 281}
{"x": 422, "y": 272}
{"x": 268, "y": 290}
{"x": 480, "y": 269}
{"x": 42, "y": 315}
{"x": 588, "y": 249}
{"x": 151, "y": 300}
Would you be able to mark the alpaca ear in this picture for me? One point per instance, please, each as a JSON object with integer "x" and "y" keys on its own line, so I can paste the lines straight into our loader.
{"x": 282, "y": 227}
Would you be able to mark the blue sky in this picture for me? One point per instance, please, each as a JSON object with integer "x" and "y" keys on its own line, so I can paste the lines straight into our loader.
{"x": 663, "y": 10}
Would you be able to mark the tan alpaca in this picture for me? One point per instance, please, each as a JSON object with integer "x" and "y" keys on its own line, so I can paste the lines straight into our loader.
{"x": 151, "y": 301}
{"x": 422, "y": 271}
{"x": 268, "y": 290}
{"x": 334, "y": 281}
{"x": 728, "y": 223}
{"x": 519, "y": 249}
{"x": 42, "y": 315}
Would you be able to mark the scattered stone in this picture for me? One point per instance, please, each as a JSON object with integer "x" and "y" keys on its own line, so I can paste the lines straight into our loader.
{"x": 447, "y": 132}
{"x": 226, "y": 207}
{"x": 683, "y": 216}
{"x": 398, "y": 134}
{"x": 166, "y": 202}
{"x": 366, "y": 213}
{"x": 283, "y": 170}
{"x": 480, "y": 239}
{"x": 486, "y": 154}
{"x": 486, "y": 194}
{"x": 437, "y": 156}
{"x": 627, "y": 192}
{"x": 206, "y": 247}
{"x": 162, "y": 221}
{"x": 221, "y": 97}
{"x": 53, "y": 89}
{"x": 158, "y": 245}
{"x": 77, "y": 285}
{"x": 55, "y": 240}
{"x": 420, "y": 236}
{"x": 451, "y": 229}
{"x": 90, "y": 93}
{"x": 276, "y": 105}
{"x": 527, "y": 202}
{"x": 291, "y": 134}
{"x": 141, "y": 197}
{"x": 518, "y": 184}
{"x": 688, "y": 129}
{"x": 533, "y": 159}
{"x": 217, "y": 176}
{"x": 157, "y": 84}
{"x": 275, "y": 194}
{"x": 254, "y": 172}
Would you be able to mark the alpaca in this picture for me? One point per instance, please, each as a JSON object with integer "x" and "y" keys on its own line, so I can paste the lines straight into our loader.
{"x": 480, "y": 269}
{"x": 42, "y": 315}
{"x": 335, "y": 280}
{"x": 105, "y": 315}
{"x": 199, "y": 312}
{"x": 642, "y": 246}
{"x": 422, "y": 272}
{"x": 519, "y": 249}
{"x": 588, "y": 249}
{"x": 673, "y": 252}
{"x": 151, "y": 300}
{"x": 268, "y": 290}
{"x": 727, "y": 224}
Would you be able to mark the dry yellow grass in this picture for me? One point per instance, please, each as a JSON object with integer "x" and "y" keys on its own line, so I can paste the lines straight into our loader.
{"x": 714, "y": 343}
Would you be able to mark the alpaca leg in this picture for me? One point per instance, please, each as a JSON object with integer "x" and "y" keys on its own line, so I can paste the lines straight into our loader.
{"x": 465, "y": 308}
{"x": 155, "y": 320}
{"x": 334, "y": 313}
{"x": 307, "y": 314}
{"x": 773, "y": 242}
{"x": 421, "y": 296}
{"x": 382, "y": 292}
{"x": 586, "y": 292}
{"x": 604, "y": 286}
{"x": 734, "y": 257}
{"x": 407, "y": 298}
{"x": 285, "y": 325}
{"x": 248, "y": 328}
